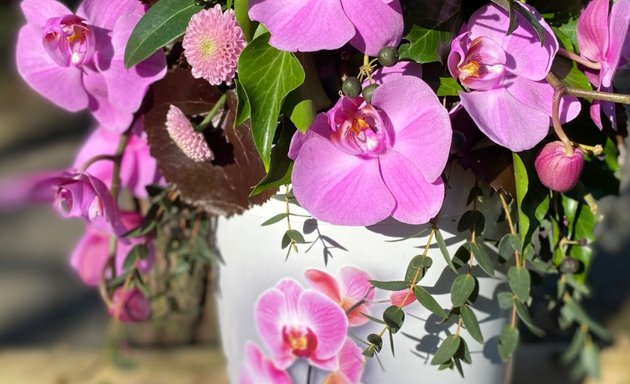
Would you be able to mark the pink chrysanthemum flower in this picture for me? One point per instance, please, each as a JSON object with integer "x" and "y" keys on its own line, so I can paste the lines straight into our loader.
{"x": 212, "y": 44}
{"x": 182, "y": 132}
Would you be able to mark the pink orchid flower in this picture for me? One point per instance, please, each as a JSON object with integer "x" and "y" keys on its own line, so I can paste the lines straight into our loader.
{"x": 351, "y": 363}
{"x": 368, "y": 25}
{"x": 402, "y": 298}
{"x": 601, "y": 36}
{"x": 130, "y": 306}
{"x": 508, "y": 98}
{"x": 91, "y": 253}
{"x": 137, "y": 168}
{"x": 296, "y": 323}
{"x": 258, "y": 370}
{"x": 76, "y": 61}
{"x": 361, "y": 163}
{"x": 352, "y": 288}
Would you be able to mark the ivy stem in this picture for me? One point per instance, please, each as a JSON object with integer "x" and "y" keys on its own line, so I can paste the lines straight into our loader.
{"x": 579, "y": 59}
{"x": 207, "y": 121}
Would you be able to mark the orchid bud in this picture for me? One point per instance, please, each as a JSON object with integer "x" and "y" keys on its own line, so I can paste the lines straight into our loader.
{"x": 558, "y": 170}
{"x": 130, "y": 306}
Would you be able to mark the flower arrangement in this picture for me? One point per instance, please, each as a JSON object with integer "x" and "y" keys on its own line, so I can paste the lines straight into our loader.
{"x": 362, "y": 109}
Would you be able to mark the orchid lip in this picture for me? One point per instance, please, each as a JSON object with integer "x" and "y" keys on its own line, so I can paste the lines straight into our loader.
{"x": 483, "y": 66}
{"x": 69, "y": 40}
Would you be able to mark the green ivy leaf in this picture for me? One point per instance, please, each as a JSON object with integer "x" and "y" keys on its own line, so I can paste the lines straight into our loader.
{"x": 427, "y": 301}
{"x": 267, "y": 75}
{"x": 508, "y": 341}
{"x": 463, "y": 286}
{"x": 471, "y": 323}
{"x": 281, "y": 165}
{"x": 241, "y": 9}
{"x": 448, "y": 87}
{"x": 531, "y": 196}
{"x": 424, "y": 44}
{"x": 164, "y": 22}
{"x": 394, "y": 317}
{"x": 520, "y": 282}
{"x": 243, "y": 109}
{"x": 446, "y": 350}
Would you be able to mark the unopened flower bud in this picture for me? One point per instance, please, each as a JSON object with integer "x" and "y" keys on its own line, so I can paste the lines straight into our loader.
{"x": 130, "y": 306}
{"x": 556, "y": 169}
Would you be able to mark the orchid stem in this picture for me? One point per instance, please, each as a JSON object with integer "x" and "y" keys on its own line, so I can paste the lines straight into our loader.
{"x": 579, "y": 59}
{"x": 95, "y": 159}
{"x": 557, "y": 125}
{"x": 587, "y": 94}
{"x": 213, "y": 112}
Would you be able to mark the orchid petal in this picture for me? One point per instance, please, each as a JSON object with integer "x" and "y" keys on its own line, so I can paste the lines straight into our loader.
{"x": 350, "y": 190}
{"x": 417, "y": 201}
{"x": 525, "y": 55}
{"x": 60, "y": 85}
{"x": 422, "y": 126}
{"x": 619, "y": 22}
{"x": 378, "y": 24}
{"x": 324, "y": 283}
{"x": 327, "y": 321}
{"x": 305, "y": 26}
{"x": 37, "y": 12}
{"x": 592, "y": 30}
{"x": 505, "y": 119}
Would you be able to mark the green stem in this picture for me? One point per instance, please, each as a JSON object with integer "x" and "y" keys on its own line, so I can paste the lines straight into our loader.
{"x": 587, "y": 94}
{"x": 207, "y": 121}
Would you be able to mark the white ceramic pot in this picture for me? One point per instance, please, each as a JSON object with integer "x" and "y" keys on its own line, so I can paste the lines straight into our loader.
{"x": 255, "y": 262}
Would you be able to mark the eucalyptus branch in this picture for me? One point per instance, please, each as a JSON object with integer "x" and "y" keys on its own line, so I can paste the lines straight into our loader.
{"x": 508, "y": 216}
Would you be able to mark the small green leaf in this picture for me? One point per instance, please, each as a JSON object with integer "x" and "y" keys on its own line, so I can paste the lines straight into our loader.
{"x": 574, "y": 349}
{"x": 448, "y": 87}
{"x": 281, "y": 165}
{"x": 275, "y": 219}
{"x": 471, "y": 323}
{"x": 474, "y": 193}
{"x": 463, "y": 286}
{"x": 589, "y": 359}
{"x": 416, "y": 268}
{"x": 530, "y": 18}
{"x": 375, "y": 340}
{"x": 463, "y": 353}
{"x": 164, "y": 22}
{"x": 505, "y": 299}
{"x": 241, "y": 9}
{"x": 462, "y": 256}
{"x": 149, "y": 223}
{"x": 390, "y": 285}
{"x": 427, "y": 301}
{"x": 472, "y": 220}
{"x": 524, "y": 315}
{"x": 267, "y": 75}
{"x": 508, "y": 341}
{"x": 394, "y": 317}
{"x": 296, "y": 236}
{"x": 446, "y": 350}
{"x": 482, "y": 258}
{"x": 444, "y": 250}
{"x": 508, "y": 245}
{"x": 520, "y": 282}
{"x": 206, "y": 253}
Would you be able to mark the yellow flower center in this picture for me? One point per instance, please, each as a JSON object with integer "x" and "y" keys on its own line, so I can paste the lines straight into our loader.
{"x": 471, "y": 69}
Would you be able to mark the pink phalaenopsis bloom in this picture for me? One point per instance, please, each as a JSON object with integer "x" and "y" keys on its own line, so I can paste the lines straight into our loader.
{"x": 314, "y": 25}
{"x": 258, "y": 370}
{"x": 76, "y": 61}
{"x": 352, "y": 290}
{"x": 190, "y": 141}
{"x": 360, "y": 163}
{"x": 508, "y": 98}
{"x": 138, "y": 168}
{"x": 556, "y": 169}
{"x": 351, "y": 363}
{"x": 90, "y": 255}
{"x": 601, "y": 36}
{"x": 130, "y": 305}
{"x": 296, "y": 323}
{"x": 212, "y": 44}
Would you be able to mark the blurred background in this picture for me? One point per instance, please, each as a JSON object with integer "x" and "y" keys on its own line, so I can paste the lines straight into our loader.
{"x": 53, "y": 329}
